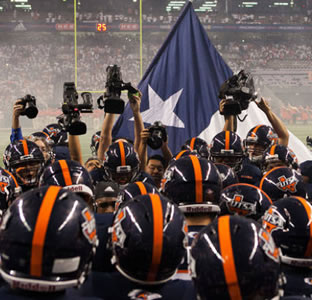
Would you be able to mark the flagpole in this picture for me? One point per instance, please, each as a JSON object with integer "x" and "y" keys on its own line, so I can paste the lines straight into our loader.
{"x": 141, "y": 41}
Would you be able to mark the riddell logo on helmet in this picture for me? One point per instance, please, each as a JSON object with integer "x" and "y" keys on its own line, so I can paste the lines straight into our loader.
{"x": 200, "y": 209}
{"x": 287, "y": 184}
{"x": 36, "y": 287}
{"x": 76, "y": 188}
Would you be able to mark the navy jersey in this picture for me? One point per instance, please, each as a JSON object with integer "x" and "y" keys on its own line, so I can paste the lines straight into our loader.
{"x": 298, "y": 281}
{"x": 183, "y": 272}
{"x": 249, "y": 173}
{"x": 101, "y": 260}
{"x": 6, "y": 293}
{"x": 115, "y": 286}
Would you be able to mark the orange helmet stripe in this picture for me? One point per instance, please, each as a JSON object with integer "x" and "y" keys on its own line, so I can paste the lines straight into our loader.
{"x": 256, "y": 129}
{"x": 226, "y": 250}
{"x": 122, "y": 153}
{"x": 40, "y": 230}
{"x": 157, "y": 236}
{"x": 142, "y": 187}
{"x": 266, "y": 174}
{"x": 65, "y": 172}
{"x": 272, "y": 150}
{"x": 198, "y": 179}
{"x": 13, "y": 177}
{"x": 180, "y": 154}
{"x": 227, "y": 140}
{"x": 25, "y": 147}
{"x": 307, "y": 207}
{"x": 192, "y": 143}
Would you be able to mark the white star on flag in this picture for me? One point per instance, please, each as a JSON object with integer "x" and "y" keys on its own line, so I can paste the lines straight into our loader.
{"x": 162, "y": 110}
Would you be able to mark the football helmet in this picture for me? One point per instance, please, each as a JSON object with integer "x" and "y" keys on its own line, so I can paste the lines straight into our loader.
{"x": 56, "y": 133}
{"x": 257, "y": 140}
{"x": 9, "y": 189}
{"x": 244, "y": 199}
{"x": 95, "y": 142}
{"x": 279, "y": 155}
{"x": 227, "y": 174}
{"x": 282, "y": 182}
{"x": 149, "y": 239}
{"x": 194, "y": 184}
{"x": 71, "y": 175}
{"x": 226, "y": 147}
{"x": 41, "y": 135}
{"x": 134, "y": 189}
{"x": 234, "y": 258}
{"x": 25, "y": 160}
{"x": 289, "y": 220}
{"x": 48, "y": 239}
{"x": 197, "y": 144}
{"x": 121, "y": 163}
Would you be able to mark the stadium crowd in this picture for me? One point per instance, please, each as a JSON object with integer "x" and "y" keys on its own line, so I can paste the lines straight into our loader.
{"x": 33, "y": 67}
{"x": 228, "y": 218}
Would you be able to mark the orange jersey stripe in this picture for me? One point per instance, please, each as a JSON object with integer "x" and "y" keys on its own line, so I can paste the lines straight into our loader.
{"x": 192, "y": 143}
{"x": 157, "y": 236}
{"x": 65, "y": 172}
{"x": 198, "y": 179}
{"x": 40, "y": 230}
{"x": 227, "y": 140}
{"x": 307, "y": 207}
{"x": 25, "y": 147}
{"x": 122, "y": 153}
{"x": 228, "y": 258}
{"x": 141, "y": 187}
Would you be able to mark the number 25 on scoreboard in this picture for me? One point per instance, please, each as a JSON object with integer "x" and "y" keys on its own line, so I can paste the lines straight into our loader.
{"x": 101, "y": 27}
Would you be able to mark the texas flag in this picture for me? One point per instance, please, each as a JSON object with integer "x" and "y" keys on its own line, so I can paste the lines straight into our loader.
{"x": 180, "y": 89}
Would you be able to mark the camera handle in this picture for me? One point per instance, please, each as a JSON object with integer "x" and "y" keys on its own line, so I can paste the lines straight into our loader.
{"x": 100, "y": 102}
{"x": 243, "y": 119}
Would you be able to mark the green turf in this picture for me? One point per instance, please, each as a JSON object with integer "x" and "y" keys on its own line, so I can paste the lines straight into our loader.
{"x": 301, "y": 131}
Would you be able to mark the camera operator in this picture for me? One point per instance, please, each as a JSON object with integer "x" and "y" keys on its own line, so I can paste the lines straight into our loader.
{"x": 154, "y": 164}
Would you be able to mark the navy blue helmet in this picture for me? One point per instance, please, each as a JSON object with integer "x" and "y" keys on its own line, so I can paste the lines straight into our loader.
{"x": 244, "y": 199}
{"x": 194, "y": 184}
{"x": 121, "y": 163}
{"x": 234, "y": 258}
{"x": 281, "y": 182}
{"x": 71, "y": 175}
{"x": 149, "y": 239}
{"x": 197, "y": 144}
{"x": 257, "y": 140}
{"x": 226, "y": 147}
{"x": 25, "y": 161}
{"x": 47, "y": 240}
{"x": 55, "y": 132}
{"x": 289, "y": 220}
{"x": 279, "y": 155}
{"x": 227, "y": 174}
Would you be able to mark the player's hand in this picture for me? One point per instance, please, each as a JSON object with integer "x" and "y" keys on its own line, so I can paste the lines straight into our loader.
{"x": 18, "y": 108}
{"x": 263, "y": 104}
{"x": 135, "y": 101}
{"x": 145, "y": 134}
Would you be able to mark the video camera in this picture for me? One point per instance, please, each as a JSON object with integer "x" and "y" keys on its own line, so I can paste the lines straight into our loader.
{"x": 30, "y": 109}
{"x": 309, "y": 141}
{"x": 239, "y": 90}
{"x": 70, "y": 120}
{"x": 114, "y": 85}
{"x": 158, "y": 135}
